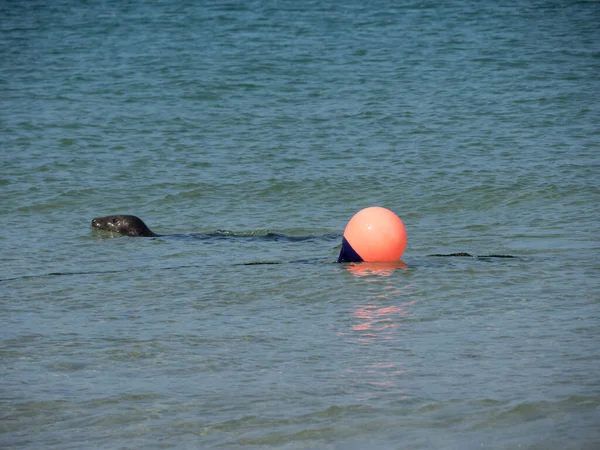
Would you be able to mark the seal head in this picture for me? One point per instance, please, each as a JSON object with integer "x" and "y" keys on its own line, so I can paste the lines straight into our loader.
{"x": 125, "y": 225}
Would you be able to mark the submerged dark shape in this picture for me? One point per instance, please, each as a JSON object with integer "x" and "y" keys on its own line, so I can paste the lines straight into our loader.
{"x": 128, "y": 225}
{"x": 473, "y": 256}
{"x": 453, "y": 254}
{"x": 123, "y": 224}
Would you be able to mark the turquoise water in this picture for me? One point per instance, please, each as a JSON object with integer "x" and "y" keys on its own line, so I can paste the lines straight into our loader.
{"x": 476, "y": 122}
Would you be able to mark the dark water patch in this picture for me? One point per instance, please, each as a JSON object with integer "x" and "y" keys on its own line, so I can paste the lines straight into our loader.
{"x": 142, "y": 270}
{"x": 68, "y": 366}
{"x": 505, "y": 416}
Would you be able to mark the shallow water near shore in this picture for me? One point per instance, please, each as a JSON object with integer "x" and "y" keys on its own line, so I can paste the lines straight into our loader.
{"x": 271, "y": 123}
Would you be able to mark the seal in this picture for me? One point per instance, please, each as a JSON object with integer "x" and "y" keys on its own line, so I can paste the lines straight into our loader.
{"x": 128, "y": 225}
{"x": 123, "y": 224}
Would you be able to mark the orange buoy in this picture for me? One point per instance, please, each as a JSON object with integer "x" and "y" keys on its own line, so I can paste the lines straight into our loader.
{"x": 374, "y": 234}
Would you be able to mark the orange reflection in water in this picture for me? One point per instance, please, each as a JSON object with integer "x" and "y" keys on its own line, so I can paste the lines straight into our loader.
{"x": 376, "y": 328}
{"x": 375, "y": 318}
{"x": 379, "y": 380}
{"x": 384, "y": 269}
{"x": 377, "y": 373}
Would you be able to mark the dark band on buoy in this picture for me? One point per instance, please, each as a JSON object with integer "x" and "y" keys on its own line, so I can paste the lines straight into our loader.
{"x": 347, "y": 253}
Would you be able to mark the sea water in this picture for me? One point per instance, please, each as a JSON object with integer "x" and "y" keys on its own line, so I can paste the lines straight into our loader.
{"x": 272, "y": 122}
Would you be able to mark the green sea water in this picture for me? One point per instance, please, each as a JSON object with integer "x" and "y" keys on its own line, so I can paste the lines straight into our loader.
{"x": 273, "y": 122}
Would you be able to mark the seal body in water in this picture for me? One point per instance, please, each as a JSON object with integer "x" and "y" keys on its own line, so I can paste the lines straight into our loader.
{"x": 125, "y": 225}
{"x": 128, "y": 225}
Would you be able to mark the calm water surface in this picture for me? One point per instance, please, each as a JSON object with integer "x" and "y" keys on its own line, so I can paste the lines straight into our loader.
{"x": 476, "y": 122}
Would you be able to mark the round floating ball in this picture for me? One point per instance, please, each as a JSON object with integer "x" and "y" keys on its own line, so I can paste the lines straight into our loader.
{"x": 374, "y": 234}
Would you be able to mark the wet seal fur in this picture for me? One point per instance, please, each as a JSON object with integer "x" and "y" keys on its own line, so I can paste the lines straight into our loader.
{"x": 123, "y": 224}
{"x": 133, "y": 226}
{"x": 128, "y": 225}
